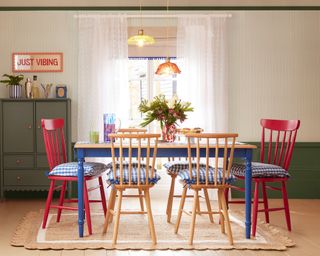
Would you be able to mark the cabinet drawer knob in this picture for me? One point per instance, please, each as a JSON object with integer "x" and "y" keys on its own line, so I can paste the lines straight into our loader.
{"x": 18, "y": 178}
{"x": 39, "y": 126}
{"x": 29, "y": 126}
{"x": 19, "y": 161}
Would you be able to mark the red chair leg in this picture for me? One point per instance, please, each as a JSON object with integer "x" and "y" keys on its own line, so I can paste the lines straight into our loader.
{"x": 61, "y": 200}
{"x": 103, "y": 196}
{"x": 286, "y": 204}
{"x": 87, "y": 207}
{"x": 265, "y": 201}
{"x": 255, "y": 208}
{"x": 48, "y": 203}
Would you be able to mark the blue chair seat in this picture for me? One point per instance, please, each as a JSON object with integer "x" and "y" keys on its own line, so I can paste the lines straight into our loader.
{"x": 71, "y": 169}
{"x": 174, "y": 167}
{"x": 185, "y": 176}
{"x": 134, "y": 175}
{"x": 260, "y": 170}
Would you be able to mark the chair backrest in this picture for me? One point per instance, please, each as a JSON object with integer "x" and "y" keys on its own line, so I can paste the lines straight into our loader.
{"x": 135, "y": 145}
{"x": 215, "y": 146}
{"x": 132, "y": 130}
{"x": 278, "y": 137}
{"x": 54, "y": 142}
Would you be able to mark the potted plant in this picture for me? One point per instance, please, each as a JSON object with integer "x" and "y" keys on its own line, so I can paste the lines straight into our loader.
{"x": 15, "y": 88}
{"x": 166, "y": 112}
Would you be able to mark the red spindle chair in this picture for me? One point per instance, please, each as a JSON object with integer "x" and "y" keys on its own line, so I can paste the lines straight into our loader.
{"x": 61, "y": 170}
{"x": 278, "y": 139}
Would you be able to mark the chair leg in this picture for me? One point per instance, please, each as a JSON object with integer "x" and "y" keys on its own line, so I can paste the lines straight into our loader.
{"x": 198, "y": 205}
{"x": 194, "y": 214}
{"x": 103, "y": 196}
{"x": 206, "y": 195}
{"x": 87, "y": 207}
{"x": 150, "y": 217}
{"x": 170, "y": 197}
{"x": 61, "y": 199}
{"x": 110, "y": 208}
{"x": 255, "y": 208}
{"x": 183, "y": 199}
{"x": 222, "y": 221}
{"x": 226, "y": 195}
{"x": 116, "y": 224}
{"x": 48, "y": 203}
{"x": 286, "y": 204}
{"x": 226, "y": 214}
{"x": 265, "y": 201}
{"x": 141, "y": 200}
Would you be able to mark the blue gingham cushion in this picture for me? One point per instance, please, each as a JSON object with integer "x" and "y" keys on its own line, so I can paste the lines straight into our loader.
{"x": 260, "y": 170}
{"x": 185, "y": 176}
{"x": 134, "y": 176}
{"x": 71, "y": 169}
{"x": 125, "y": 164}
{"x": 175, "y": 167}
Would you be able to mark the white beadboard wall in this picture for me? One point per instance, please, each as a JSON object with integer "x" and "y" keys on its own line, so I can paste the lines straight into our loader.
{"x": 274, "y": 63}
{"x": 274, "y": 71}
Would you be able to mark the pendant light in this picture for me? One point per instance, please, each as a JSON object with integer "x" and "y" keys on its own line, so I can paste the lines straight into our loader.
{"x": 141, "y": 39}
{"x": 167, "y": 68}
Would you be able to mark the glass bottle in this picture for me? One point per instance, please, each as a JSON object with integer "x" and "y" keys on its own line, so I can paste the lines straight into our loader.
{"x": 35, "y": 91}
{"x": 28, "y": 86}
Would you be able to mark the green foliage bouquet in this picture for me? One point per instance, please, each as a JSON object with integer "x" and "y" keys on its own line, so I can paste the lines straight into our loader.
{"x": 164, "y": 111}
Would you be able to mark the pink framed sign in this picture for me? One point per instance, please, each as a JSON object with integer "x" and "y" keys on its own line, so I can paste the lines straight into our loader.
{"x": 37, "y": 62}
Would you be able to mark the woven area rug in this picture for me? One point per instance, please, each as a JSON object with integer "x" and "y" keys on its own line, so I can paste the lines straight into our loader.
{"x": 134, "y": 234}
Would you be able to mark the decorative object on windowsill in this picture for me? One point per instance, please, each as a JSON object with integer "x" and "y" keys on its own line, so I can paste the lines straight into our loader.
{"x": 61, "y": 91}
{"x": 167, "y": 68}
{"x": 46, "y": 89}
{"x": 141, "y": 39}
{"x": 166, "y": 112}
{"x": 15, "y": 88}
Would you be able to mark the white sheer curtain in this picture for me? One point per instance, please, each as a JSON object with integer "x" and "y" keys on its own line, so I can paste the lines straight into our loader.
{"x": 102, "y": 71}
{"x": 201, "y": 55}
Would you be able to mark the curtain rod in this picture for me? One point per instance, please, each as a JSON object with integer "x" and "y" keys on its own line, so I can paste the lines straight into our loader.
{"x": 153, "y": 15}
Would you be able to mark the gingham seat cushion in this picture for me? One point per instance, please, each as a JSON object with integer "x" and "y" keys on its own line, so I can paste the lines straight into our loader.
{"x": 71, "y": 169}
{"x": 185, "y": 176}
{"x": 260, "y": 170}
{"x": 125, "y": 164}
{"x": 175, "y": 167}
{"x": 134, "y": 175}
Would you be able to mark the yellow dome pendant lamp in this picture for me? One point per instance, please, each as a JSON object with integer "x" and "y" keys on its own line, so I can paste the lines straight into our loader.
{"x": 167, "y": 68}
{"x": 141, "y": 39}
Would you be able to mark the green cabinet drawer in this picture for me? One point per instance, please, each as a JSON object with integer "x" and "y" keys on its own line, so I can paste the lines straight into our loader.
{"x": 42, "y": 162}
{"x": 25, "y": 178}
{"x": 18, "y": 161}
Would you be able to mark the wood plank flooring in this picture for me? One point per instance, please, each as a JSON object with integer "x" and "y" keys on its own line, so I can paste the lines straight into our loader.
{"x": 304, "y": 214}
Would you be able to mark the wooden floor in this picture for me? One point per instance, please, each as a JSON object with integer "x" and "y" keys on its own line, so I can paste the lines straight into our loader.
{"x": 304, "y": 214}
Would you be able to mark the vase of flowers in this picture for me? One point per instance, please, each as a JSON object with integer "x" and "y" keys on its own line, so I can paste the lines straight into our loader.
{"x": 167, "y": 112}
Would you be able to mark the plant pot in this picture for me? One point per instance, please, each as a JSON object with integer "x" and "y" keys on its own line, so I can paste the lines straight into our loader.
{"x": 15, "y": 91}
{"x": 169, "y": 132}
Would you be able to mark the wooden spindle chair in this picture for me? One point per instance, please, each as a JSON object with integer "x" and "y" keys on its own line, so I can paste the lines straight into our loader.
{"x": 278, "y": 137}
{"x": 134, "y": 131}
{"x": 131, "y": 175}
{"x": 61, "y": 170}
{"x": 198, "y": 178}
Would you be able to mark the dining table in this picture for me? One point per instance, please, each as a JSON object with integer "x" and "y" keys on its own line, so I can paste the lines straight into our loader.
{"x": 165, "y": 150}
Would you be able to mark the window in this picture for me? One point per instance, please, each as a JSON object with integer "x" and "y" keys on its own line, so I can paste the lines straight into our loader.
{"x": 145, "y": 84}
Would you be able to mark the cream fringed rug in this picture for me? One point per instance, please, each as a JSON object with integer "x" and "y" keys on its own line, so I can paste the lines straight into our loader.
{"x": 134, "y": 234}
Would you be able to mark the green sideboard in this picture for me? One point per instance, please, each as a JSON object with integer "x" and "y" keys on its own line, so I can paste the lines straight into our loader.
{"x": 23, "y": 158}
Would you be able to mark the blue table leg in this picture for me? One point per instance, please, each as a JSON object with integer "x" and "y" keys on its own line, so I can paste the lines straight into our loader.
{"x": 80, "y": 191}
{"x": 248, "y": 176}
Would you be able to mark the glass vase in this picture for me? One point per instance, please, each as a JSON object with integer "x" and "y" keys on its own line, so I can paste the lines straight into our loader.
{"x": 169, "y": 132}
